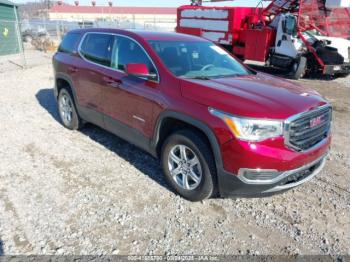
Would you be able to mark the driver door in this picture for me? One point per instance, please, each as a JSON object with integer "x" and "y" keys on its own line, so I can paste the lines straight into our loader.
{"x": 129, "y": 101}
{"x": 285, "y": 41}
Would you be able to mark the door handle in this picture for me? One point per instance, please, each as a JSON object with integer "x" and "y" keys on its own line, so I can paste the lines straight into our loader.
{"x": 111, "y": 81}
{"x": 72, "y": 69}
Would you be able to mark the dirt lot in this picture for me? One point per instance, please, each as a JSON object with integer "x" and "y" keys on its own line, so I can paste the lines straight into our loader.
{"x": 89, "y": 192}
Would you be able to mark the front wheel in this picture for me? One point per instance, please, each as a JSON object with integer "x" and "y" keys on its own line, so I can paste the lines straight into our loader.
{"x": 189, "y": 165}
{"x": 299, "y": 68}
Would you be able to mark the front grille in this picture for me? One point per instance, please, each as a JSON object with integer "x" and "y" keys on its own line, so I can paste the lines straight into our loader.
{"x": 309, "y": 129}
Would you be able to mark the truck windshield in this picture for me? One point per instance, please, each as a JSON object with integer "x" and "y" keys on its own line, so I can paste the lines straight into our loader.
{"x": 197, "y": 59}
{"x": 290, "y": 25}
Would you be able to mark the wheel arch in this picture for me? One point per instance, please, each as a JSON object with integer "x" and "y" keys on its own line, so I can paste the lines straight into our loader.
{"x": 64, "y": 81}
{"x": 170, "y": 121}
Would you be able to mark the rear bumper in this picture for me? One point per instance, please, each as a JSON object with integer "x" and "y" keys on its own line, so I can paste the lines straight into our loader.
{"x": 337, "y": 69}
{"x": 232, "y": 185}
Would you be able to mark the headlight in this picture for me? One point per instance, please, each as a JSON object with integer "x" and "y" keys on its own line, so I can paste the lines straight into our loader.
{"x": 249, "y": 129}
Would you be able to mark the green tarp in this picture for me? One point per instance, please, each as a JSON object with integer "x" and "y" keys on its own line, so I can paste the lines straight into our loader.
{"x": 8, "y": 28}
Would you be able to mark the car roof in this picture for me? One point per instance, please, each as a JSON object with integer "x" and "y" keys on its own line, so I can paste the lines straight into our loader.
{"x": 144, "y": 34}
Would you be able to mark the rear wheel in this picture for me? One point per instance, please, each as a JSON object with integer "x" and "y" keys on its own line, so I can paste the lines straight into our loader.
{"x": 299, "y": 68}
{"x": 67, "y": 111}
{"x": 189, "y": 165}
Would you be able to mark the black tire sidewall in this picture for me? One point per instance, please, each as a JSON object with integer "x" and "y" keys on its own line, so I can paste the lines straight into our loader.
{"x": 301, "y": 68}
{"x": 75, "y": 123}
{"x": 206, "y": 187}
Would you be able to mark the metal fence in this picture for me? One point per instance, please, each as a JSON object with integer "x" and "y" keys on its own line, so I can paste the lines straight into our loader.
{"x": 32, "y": 42}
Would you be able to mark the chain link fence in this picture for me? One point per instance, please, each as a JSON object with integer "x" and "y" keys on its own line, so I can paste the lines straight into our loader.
{"x": 29, "y": 43}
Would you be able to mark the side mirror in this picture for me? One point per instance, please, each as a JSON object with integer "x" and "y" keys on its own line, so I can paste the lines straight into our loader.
{"x": 139, "y": 70}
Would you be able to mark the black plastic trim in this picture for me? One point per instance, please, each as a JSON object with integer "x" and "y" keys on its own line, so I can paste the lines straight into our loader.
{"x": 130, "y": 134}
{"x": 231, "y": 186}
{"x": 68, "y": 79}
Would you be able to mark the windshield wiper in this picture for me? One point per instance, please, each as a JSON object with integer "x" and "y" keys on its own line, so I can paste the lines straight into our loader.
{"x": 233, "y": 75}
{"x": 200, "y": 77}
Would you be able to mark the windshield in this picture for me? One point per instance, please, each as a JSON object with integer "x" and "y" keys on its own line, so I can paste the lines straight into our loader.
{"x": 290, "y": 25}
{"x": 197, "y": 59}
{"x": 311, "y": 35}
{"x": 313, "y": 32}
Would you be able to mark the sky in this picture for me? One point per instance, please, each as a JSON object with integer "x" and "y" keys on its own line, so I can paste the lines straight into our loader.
{"x": 160, "y": 3}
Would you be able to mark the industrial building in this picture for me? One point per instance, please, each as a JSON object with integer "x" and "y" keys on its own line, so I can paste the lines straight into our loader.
{"x": 140, "y": 14}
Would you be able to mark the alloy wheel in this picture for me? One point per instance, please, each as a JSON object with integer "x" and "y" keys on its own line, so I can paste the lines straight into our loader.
{"x": 66, "y": 109}
{"x": 185, "y": 167}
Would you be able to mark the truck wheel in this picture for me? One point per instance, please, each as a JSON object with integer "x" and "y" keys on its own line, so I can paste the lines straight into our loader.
{"x": 67, "y": 111}
{"x": 299, "y": 68}
{"x": 189, "y": 165}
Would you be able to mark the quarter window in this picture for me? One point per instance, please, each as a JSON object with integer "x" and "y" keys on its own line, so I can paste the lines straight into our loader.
{"x": 69, "y": 43}
{"x": 98, "y": 48}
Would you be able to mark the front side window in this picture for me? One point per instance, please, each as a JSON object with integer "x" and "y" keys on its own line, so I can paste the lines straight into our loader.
{"x": 127, "y": 51}
{"x": 97, "y": 48}
{"x": 197, "y": 59}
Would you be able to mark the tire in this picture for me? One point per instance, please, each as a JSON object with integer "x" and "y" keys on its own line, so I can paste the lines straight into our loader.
{"x": 67, "y": 111}
{"x": 299, "y": 68}
{"x": 197, "y": 150}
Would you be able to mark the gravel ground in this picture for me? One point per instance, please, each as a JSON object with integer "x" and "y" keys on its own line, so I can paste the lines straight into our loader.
{"x": 89, "y": 192}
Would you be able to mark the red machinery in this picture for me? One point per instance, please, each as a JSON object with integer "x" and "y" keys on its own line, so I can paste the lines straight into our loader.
{"x": 303, "y": 36}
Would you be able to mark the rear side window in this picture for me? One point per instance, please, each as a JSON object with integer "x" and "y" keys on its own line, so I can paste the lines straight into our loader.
{"x": 69, "y": 43}
{"x": 97, "y": 48}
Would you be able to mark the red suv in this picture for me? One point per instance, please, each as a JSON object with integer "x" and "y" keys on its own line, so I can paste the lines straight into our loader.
{"x": 218, "y": 127}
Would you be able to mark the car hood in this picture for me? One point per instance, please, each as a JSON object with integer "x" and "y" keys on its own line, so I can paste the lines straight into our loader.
{"x": 260, "y": 96}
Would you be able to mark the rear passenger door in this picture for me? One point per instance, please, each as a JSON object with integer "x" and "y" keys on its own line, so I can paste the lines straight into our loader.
{"x": 96, "y": 51}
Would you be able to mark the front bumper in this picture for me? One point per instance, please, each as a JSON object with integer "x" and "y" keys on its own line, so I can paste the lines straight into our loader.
{"x": 336, "y": 69}
{"x": 231, "y": 185}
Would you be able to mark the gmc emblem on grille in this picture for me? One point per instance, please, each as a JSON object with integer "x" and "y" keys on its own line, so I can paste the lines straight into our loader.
{"x": 316, "y": 121}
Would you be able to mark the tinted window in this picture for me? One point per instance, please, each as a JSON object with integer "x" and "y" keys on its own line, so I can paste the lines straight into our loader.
{"x": 128, "y": 51}
{"x": 69, "y": 43}
{"x": 98, "y": 48}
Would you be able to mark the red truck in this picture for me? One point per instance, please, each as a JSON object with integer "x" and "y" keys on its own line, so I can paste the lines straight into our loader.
{"x": 300, "y": 36}
{"x": 218, "y": 127}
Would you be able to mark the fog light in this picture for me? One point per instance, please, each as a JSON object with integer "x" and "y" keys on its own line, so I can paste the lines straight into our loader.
{"x": 258, "y": 176}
